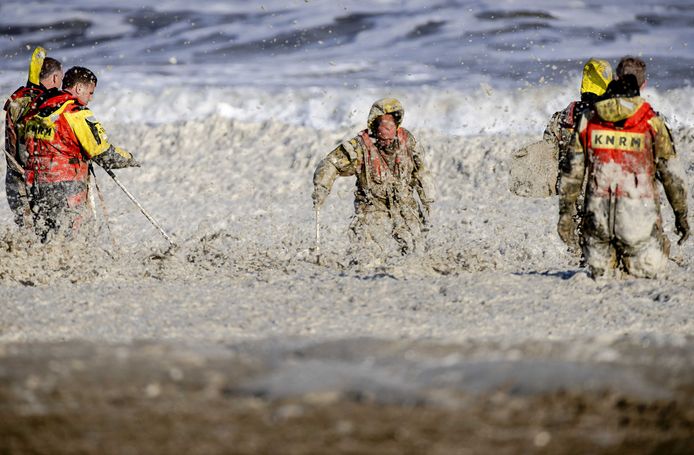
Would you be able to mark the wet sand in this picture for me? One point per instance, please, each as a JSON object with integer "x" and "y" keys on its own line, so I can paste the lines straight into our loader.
{"x": 628, "y": 395}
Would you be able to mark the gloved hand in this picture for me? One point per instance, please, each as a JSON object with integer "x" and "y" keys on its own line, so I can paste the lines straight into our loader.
{"x": 131, "y": 161}
{"x": 320, "y": 194}
{"x": 566, "y": 227}
{"x": 115, "y": 158}
{"x": 682, "y": 227}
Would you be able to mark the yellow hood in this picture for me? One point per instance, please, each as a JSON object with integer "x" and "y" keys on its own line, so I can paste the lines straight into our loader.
{"x": 597, "y": 74}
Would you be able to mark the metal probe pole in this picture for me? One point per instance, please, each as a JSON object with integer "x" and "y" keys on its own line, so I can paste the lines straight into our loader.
{"x": 317, "y": 236}
{"x": 142, "y": 209}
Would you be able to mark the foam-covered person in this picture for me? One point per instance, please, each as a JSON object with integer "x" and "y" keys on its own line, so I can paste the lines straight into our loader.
{"x": 45, "y": 74}
{"x": 597, "y": 74}
{"x": 625, "y": 148}
{"x": 63, "y": 137}
{"x": 394, "y": 189}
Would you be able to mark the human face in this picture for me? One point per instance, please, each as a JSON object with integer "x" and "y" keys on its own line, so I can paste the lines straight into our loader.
{"x": 55, "y": 80}
{"x": 84, "y": 92}
{"x": 387, "y": 128}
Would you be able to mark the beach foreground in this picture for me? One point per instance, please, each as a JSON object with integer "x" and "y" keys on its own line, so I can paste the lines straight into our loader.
{"x": 622, "y": 395}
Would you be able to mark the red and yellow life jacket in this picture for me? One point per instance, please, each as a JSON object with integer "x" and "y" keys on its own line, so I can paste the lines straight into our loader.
{"x": 620, "y": 155}
{"x": 60, "y": 137}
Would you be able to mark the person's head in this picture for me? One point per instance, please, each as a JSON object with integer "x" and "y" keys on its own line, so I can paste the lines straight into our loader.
{"x": 624, "y": 87}
{"x": 81, "y": 83}
{"x": 597, "y": 75}
{"x": 382, "y": 107}
{"x": 51, "y": 75}
{"x": 386, "y": 128}
{"x": 634, "y": 66}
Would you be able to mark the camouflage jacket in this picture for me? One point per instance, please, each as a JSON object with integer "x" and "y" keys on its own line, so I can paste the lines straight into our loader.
{"x": 19, "y": 103}
{"x": 615, "y": 112}
{"x": 385, "y": 179}
{"x": 562, "y": 125}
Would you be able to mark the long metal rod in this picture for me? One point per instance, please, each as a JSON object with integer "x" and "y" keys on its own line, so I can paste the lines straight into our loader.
{"x": 139, "y": 206}
{"x": 317, "y": 236}
{"x": 104, "y": 209}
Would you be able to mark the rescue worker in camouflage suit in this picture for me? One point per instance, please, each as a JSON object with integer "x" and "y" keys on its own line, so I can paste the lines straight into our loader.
{"x": 63, "y": 138}
{"x": 624, "y": 149}
{"x": 389, "y": 170}
{"x": 597, "y": 74}
{"x": 45, "y": 74}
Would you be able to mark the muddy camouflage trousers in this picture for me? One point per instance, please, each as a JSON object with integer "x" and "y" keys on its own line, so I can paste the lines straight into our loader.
{"x": 384, "y": 230}
{"x": 17, "y": 196}
{"x": 624, "y": 233}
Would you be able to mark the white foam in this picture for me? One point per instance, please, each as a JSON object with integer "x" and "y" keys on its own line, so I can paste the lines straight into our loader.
{"x": 467, "y": 112}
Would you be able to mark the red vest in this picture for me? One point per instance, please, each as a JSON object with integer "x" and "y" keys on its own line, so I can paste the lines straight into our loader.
{"x": 55, "y": 154}
{"x": 375, "y": 164}
{"x": 620, "y": 158}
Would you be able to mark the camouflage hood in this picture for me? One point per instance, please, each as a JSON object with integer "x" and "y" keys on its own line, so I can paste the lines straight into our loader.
{"x": 385, "y": 106}
{"x": 617, "y": 109}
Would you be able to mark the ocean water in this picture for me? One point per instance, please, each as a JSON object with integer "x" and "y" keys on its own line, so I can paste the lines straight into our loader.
{"x": 460, "y": 66}
{"x": 332, "y": 43}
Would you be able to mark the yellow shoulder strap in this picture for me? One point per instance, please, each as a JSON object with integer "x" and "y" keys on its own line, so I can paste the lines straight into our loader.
{"x": 36, "y": 64}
